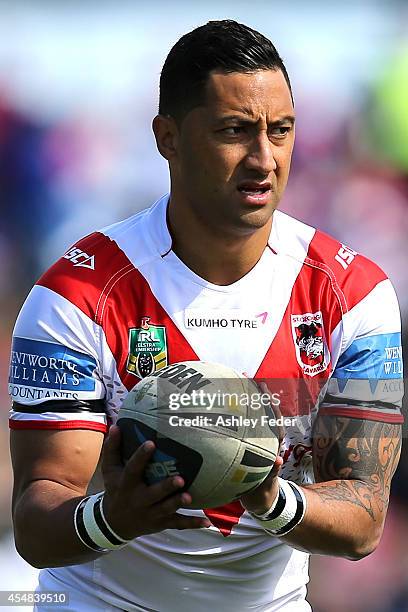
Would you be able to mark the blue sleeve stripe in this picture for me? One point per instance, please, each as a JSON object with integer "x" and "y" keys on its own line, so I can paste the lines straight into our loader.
{"x": 374, "y": 357}
{"x": 46, "y": 365}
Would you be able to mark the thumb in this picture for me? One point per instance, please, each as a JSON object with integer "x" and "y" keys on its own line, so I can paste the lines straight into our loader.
{"x": 276, "y": 467}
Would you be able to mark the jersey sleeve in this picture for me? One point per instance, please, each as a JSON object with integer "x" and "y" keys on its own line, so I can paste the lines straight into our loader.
{"x": 367, "y": 381}
{"x": 56, "y": 377}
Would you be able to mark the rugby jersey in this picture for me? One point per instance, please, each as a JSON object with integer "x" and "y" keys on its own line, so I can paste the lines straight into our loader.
{"x": 314, "y": 319}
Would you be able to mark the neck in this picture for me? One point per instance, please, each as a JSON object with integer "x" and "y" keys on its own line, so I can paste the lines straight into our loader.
{"x": 217, "y": 257}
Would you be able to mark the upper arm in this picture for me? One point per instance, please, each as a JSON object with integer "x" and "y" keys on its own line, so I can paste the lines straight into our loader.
{"x": 357, "y": 433}
{"x": 66, "y": 457}
{"x": 59, "y": 414}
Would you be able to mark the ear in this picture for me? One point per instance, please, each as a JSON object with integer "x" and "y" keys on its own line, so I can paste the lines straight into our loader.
{"x": 166, "y": 133}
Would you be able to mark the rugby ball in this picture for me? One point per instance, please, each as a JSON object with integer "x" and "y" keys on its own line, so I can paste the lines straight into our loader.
{"x": 210, "y": 424}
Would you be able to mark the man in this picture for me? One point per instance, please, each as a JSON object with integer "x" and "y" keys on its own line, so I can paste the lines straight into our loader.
{"x": 216, "y": 246}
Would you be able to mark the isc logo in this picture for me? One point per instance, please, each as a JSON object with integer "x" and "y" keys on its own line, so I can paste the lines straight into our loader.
{"x": 80, "y": 258}
{"x": 159, "y": 470}
{"x": 345, "y": 256}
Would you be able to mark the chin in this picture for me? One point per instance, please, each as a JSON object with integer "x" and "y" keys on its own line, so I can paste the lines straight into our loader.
{"x": 246, "y": 224}
{"x": 256, "y": 218}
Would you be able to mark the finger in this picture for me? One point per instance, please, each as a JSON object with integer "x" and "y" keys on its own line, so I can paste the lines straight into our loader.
{"x": 160, "y": 490}
{"x": 276, "y": 467}
{"x": 265, "y": 389}
{"x": 183, "y": 521}
{"x": 275, "y": 406}
{"x": 135, "y": 467}
{"x": 111, "y": 456}
{"x": 170, "y": 505}
{"x": 273, "y": 473}
{"x": 275, "y": 409}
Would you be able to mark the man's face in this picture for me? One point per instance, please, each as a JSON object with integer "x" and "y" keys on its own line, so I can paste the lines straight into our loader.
{"x": 233, "y": 153}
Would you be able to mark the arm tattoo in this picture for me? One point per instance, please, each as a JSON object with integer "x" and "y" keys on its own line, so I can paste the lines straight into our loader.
{"x": 361, "y": 456}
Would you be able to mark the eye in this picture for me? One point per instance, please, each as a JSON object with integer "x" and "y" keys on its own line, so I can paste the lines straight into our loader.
{"x": 233, "y": 130}
{"x": 280, "y": 131}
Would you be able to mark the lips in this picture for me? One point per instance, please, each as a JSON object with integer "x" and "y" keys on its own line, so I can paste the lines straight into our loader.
{"x": 255, "y": 192}
{"x": 253, "y": 187}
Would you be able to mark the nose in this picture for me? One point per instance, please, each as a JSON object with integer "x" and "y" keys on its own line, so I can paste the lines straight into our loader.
{"x": 260, "y": 156}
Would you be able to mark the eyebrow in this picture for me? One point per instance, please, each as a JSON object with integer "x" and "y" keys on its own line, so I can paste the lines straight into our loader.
{"x": 282, "y": 121}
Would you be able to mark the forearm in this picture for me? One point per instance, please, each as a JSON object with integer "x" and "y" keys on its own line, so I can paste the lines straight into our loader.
{"x": 343, "y": 514}
{"x": 44, "y": 529}
{"x": 343, "y": 518}
{"x": 354, "y": 461}
{"x": 44, "y": 509}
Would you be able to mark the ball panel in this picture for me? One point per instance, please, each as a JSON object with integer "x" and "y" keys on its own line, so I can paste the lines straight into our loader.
{"x": 254, "y": 459}
{"x": 182, "y": 448}
{"x": 171, "y": 458}
{"x": 249, "y": 469}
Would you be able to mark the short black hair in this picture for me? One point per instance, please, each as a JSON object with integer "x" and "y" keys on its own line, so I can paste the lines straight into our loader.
{"x": 227, "y": 46}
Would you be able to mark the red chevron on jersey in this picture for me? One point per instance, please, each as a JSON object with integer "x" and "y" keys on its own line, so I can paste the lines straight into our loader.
{"x": 312, "y": 295}
{"x": 344, "y": 266}
{"x": 85, "y": 286}
{"x": 118, "y": 298}
{"x": 137, "y": 303}
{"x": 324, "y": 289}
{"x": 225, "y": 517}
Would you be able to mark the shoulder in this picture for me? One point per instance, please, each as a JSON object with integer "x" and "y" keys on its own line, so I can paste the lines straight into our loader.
{"x": 93, "y": 265}
{"x": 351, "y": 275}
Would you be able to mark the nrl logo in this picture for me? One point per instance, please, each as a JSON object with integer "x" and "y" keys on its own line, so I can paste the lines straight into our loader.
{"x": 311, "y": 348}
{"x": 147, "y": 349}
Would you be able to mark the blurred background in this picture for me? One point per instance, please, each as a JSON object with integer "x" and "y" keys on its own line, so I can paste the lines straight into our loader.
{"x": 78, "y": 90}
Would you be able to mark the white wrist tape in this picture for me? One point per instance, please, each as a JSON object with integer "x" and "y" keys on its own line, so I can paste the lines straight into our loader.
{"x": 92, "y": 527}
{"x": 265, "y": 515}
{"x": 287, "y": 510}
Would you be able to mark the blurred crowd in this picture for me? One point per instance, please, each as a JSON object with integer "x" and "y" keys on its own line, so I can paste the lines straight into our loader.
{"x": 64, "y": 174}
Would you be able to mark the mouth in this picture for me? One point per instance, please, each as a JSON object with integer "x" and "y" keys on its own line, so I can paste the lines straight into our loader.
{"x": 255, "y": 193}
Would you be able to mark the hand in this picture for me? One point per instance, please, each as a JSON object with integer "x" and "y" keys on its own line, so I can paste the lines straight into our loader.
{"x": 261, "y": 499}
{"x": 133, "y": 508}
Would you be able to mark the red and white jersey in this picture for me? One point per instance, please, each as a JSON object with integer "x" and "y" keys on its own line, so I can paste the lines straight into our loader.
{"x": 312, "y": 314}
